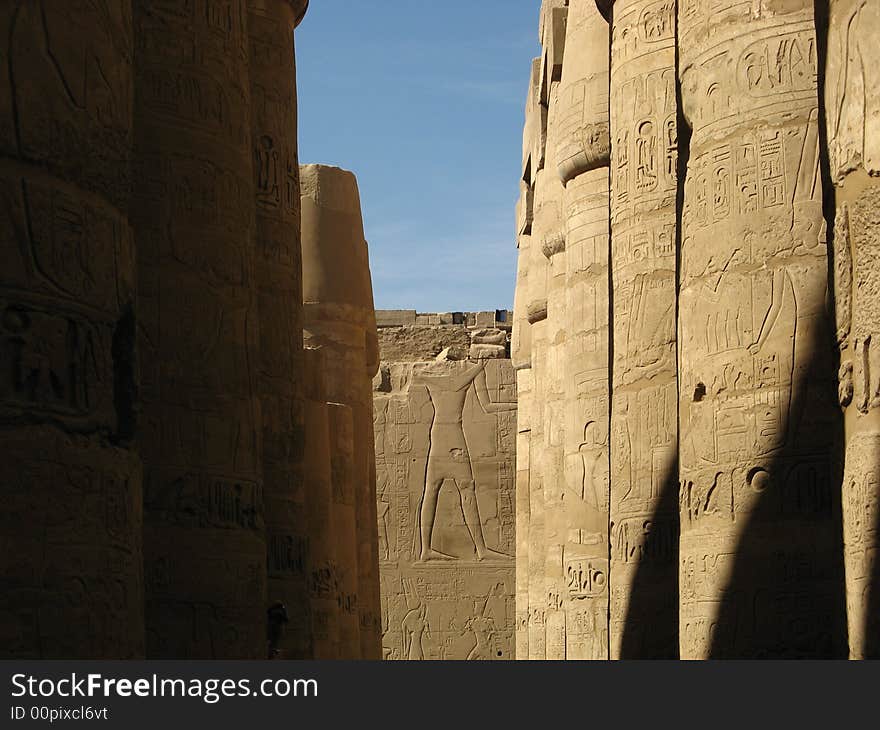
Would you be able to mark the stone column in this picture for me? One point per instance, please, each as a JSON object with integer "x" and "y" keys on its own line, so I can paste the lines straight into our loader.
{"x": 339, "y": 316}
{"x": 852, "y": 95}
{"x": 550, "y": 238}
{"x": 644, "y": 420}
{"x": 278, "y": 280}
{"x": 759, "y": 543}
{"x": 343, "y": 528}
{"x": 322, "y": 563}
{"x": 523, "y": 477}
{"x": 201, "y": 440}
{"x": 581, "y": 158}
{"x": 70, "y": 481}
{"x": 535, "y": 139}
{"x": 521, "y": 358}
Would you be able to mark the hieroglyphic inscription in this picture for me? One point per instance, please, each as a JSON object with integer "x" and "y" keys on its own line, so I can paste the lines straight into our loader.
{"x": 755, "y": 379}
{"x": 72, "y": 570}
{"x": 643, "y": 258}
{"x": 445, "y": 443}
{"x": 278, "y": 269}
{"x": 193, "y": 214}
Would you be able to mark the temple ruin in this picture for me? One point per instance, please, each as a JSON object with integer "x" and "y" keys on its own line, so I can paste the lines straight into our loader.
{"x": 444, "y": 411}
{"x": 213, "y": 446}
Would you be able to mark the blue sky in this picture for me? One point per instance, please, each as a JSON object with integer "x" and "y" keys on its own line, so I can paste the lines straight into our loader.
{"x": 423, "y": 100}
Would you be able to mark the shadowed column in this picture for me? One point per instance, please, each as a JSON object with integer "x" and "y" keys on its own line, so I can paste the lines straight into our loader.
{"x": 339, "y": 317}
{"x": 322, "y": 564}
{"x": 278, "y": 280}
{"x": 852, "y": 95}
{"x": 201, "y": 436}
{"x": 344, "y": 528}
{"x": 71, "y": 575}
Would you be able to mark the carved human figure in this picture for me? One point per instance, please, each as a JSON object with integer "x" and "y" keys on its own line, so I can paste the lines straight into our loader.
{"x": 449, "y": 457}
{"x": 415, "y": 624}
{"x": 852, "y": 95}
{"x": 482, "y": 627}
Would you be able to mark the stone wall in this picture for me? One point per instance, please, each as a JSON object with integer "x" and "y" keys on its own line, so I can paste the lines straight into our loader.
{"x": 445, "y": 431}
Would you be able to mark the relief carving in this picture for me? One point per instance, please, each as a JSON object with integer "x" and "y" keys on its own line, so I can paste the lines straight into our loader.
{"x": 446, "y": 508}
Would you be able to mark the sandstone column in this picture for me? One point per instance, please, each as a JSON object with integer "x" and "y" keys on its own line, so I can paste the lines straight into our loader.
{"x": 343, "y": 528}
{"x": 322, "y": 564}
{"x": 534, "y": 143}
{"x": 193, "y": 213}
{"x": 549, "y": 236}
{"x": 70, "y": 483}
{"x": 759, "y": 549}
{"x": 278, "y": 280}
{"x": 852, "y": 95}
{"x": 581, "y": 157}
{"x": 339, "y": 316}
{"x": 521, "y": 359}
{"x": 644, "y": 420}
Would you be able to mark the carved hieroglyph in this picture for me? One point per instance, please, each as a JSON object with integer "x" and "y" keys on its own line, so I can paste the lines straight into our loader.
{"x": 200, "y": 436}
{"x": 339, "y": 317}
{"x": 70, "y": 484}
{"x": 278, "y": 270}
{"x": 644, "y": 420}
{"x": 852, "y": 103}
{"x": 581, "y": 157}
{"x": 445, "y": 441}
{"x": 759, "y": 549}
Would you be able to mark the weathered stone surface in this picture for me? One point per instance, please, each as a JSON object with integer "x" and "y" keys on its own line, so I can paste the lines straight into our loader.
{"x": 395, "y": 317}
{"x": 201, "y": 440}
{"x": 759, "y": 559}
{"x": 549, "y": 231}
{"x": 582, "y": 138}
{"x": 521, "y": 340}
{"x": 71, "y": 571}
{"x": 534, "y": 137}
{"x": 644, "y": 415}
{"x": 852, "y": 95}
{"x": 445, "y": 439}
{"x": 525, "y": 407}
{"x": 413, "y": 343}
{"x": 278, "y": 273}
{"x": 581, "y": 158}
{"x": 339, "y": 317}
{"x": 322, "y": 572}
{"x": 343, "y": 528}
